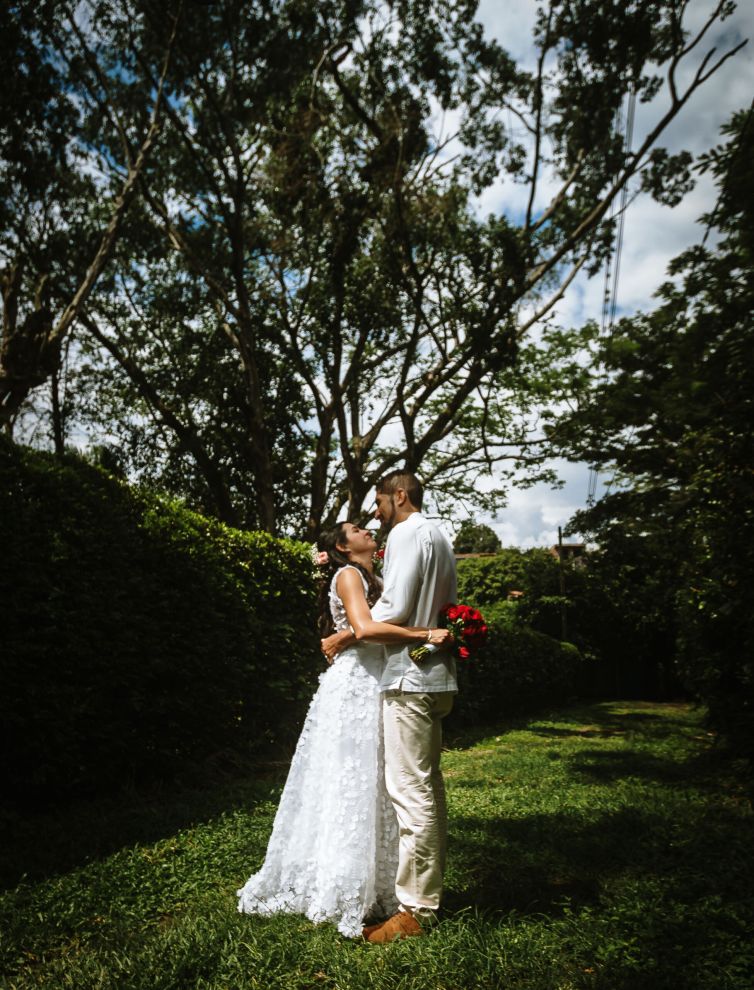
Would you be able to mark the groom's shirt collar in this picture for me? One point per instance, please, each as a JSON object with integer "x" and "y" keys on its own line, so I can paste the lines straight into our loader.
{"x": 414, "y": 518}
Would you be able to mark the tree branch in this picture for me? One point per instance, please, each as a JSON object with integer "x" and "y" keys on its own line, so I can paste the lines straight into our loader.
{"x": 109, "y": 237}
{"x": 184, "y": 428}
{"x": 539, "y": 104}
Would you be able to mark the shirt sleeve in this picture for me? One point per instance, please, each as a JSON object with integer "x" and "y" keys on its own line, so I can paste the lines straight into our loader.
{"x": 403, "y": 582}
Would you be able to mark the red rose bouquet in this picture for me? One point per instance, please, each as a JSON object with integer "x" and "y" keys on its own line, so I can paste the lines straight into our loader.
{"x": 466, "y": 625}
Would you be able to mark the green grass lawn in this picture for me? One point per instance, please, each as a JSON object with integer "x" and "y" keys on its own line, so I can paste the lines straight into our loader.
{"x": 606, "y": 846}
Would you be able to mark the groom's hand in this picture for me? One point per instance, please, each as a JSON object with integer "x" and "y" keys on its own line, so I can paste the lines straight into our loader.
{"x": 335, "y": 644}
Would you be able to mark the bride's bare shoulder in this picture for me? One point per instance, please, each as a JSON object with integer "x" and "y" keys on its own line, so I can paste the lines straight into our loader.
{"x": 349, "y": 579}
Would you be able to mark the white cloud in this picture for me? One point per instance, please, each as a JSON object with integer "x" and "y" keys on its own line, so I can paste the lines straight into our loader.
{"x": 512, "y": 24}
{"x": 533, "y": 515}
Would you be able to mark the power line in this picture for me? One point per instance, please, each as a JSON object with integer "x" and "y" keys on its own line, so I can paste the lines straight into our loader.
{"x": 610, "y": 294}
{"x": 628, "y": 141}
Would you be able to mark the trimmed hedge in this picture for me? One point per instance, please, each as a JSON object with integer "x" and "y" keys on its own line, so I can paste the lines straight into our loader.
{"x": 138, "y": 637}
{"x": 518, "y": 671}
{"x": 614, "y": 615}
{"x": 521, "y": 668}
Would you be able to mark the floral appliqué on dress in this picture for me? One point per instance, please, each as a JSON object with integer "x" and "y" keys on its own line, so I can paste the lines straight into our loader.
{"x": 333, "y": 853}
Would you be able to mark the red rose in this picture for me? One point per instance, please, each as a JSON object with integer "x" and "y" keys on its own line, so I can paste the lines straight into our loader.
{"x": 467, "y": 626}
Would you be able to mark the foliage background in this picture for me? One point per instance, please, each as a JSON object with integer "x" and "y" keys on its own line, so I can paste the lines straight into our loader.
{"x": 669, "y": 417}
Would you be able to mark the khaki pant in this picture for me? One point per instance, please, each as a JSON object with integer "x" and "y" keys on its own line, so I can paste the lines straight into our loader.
{"x": 413, "y": 743}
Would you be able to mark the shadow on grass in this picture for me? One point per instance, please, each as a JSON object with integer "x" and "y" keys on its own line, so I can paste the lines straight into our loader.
{"x": 600, "y": 720}
{"x": 42, "y": 844}
{"x": 538, "y": 863}
{"x": 607, "y": 767}
{"x": 34, "y": 846}
{"x": 605, "y": 720}
{"x": 461, "y": 737}
{"x": 656, "y": 895}
{"x": 543, "y": 863}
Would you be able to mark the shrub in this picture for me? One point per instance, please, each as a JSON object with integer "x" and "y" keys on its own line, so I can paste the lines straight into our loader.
{"x": 488, "y": 580}
{"x": 518, "y": 671}
{"x": 616, "y": 612}
{"x": 521, "y": 668}
{"x": 138, "y": 637}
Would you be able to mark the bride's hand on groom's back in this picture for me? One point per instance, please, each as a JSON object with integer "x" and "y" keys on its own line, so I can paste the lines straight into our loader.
{"x": 334, "y": 644}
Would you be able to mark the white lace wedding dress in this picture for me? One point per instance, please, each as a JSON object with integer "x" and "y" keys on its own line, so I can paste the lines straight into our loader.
{"x": 333, "y": 853}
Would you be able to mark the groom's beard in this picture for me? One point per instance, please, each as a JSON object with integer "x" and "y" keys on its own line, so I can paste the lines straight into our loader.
{"x": 386, "y": 524}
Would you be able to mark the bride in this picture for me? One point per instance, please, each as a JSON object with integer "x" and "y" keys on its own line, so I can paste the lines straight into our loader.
{"x": 333, "y": 852}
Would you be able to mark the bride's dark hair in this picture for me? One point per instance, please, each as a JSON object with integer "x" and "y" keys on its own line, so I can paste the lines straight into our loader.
{"x": 328, "y": 542}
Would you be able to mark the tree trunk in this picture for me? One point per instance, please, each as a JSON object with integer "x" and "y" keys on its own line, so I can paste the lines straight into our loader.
{"x": 58, "y": 432}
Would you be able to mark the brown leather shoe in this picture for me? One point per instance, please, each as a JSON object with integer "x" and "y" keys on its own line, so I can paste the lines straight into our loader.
{"x": 400, "y": 925}
{"x": 367, "y": 930}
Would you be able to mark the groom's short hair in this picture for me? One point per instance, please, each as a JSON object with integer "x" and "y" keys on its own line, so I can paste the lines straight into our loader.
{"x": 391, "y": 482}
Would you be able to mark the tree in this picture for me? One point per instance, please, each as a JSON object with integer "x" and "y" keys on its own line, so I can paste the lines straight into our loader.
{"x": 671, "y": 418}
{"x": 48, "y": 195}
{"x": 302, "y": 186}
{"x": 476, "y": 538}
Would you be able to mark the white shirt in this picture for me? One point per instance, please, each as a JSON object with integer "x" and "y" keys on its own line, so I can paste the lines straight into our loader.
{"x": 419, "y": 575}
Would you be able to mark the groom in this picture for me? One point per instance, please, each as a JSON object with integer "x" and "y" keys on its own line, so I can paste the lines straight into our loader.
{"x": 419, "y": 578}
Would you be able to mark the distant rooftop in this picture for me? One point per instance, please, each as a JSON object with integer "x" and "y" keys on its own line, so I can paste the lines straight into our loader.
{"x": 570, "y": 550}
{"x": 486, "y": 553}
